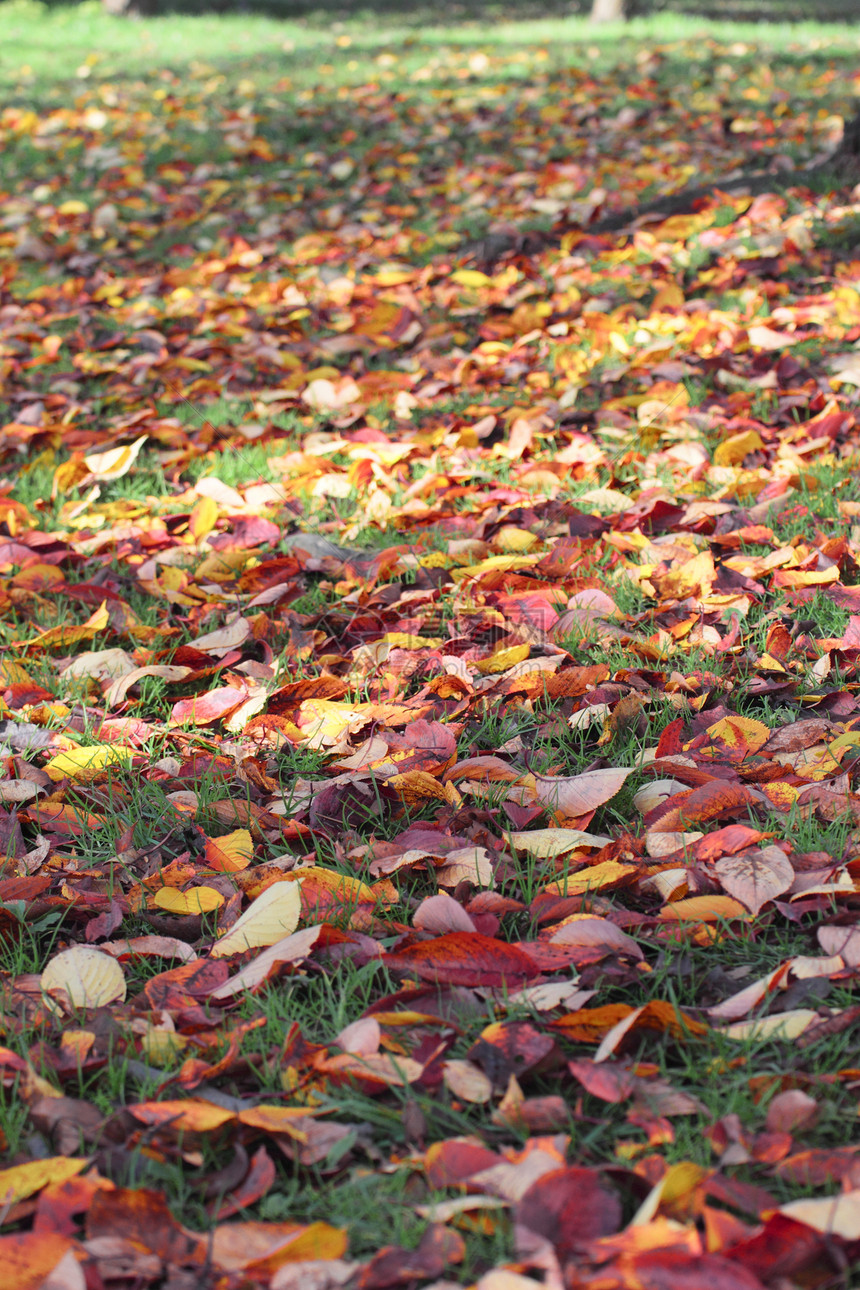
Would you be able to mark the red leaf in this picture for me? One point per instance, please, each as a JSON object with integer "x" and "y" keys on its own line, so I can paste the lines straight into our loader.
{"x": 464, "y": 958}
{"x": 677, "y": 1270}
{"x": 451, "y": 1162}
{"x": 570, "y": 1207}
{"x": 719, "y": 797}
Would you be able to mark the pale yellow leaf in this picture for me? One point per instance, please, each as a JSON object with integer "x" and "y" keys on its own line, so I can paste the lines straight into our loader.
{"x": 290, "y": 949}
{"x": 116, "y": 462}
{"x": 84, "y": 977}
{"x": 548, "y": 843}
{"x": 272, "y": 916}
{"x": 467, "y": 1081}
{"x": 466, "y": 864}
{"x": 580, "y": 794}
{"x": 833, "y": 1215}
{"x": 779, "y": 1025}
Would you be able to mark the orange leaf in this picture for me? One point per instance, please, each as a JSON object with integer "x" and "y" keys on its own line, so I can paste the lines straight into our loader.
{"x": 655, "y": 1015}
{"x": 709, "y": 801}
{"x": 589, "y": 1025}
{"x": 188, "y": 1116}
{"x": 703, "y": 909}
{"x": 27, "y": 1258}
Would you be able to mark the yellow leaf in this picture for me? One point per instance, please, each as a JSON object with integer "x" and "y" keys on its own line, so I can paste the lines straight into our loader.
{"x": 223, "y": 566}
{"x": 203, "y": 518}
{"x": 676, "y": 1189}
{"x": 198, "y": 900}
{"x": 510, "y": 538}
{"x": 416, "y": 786}
{"x": 84, "y": 977}
{"x": 493, "y": 564}
{"x": 732, "y": 451}
{"x": 116, "y": 462}
{"x": 743, "y": 735}
{"x": 273, "y": 915}
{"x": 159, "y": 1045}
{"x": 87, "y": 763}
{"x": 503, "y": 659}
{"x": 405, "y": 640}
{"x": 471, "y": 278}
{"x": 230, "y": 853}
{"x": 610, "y": 873}
{"x": 25, "y": 1180}
{"x": 96, "y": 623}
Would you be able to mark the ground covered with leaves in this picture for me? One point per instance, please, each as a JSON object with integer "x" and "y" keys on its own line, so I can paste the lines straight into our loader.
{"x": 428, "y": 661}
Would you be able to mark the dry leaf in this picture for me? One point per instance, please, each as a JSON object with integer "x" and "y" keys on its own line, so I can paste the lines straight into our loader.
{"x": 755, "y": 877}
{"x": 271, "y": 917}
{"x": 83, "y": 977}
{"x": 579, "y": 794}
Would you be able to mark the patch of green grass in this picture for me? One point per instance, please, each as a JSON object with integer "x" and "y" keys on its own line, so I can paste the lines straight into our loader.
{"x": 728, "y": 1076}
{"x": 806, "y": 832}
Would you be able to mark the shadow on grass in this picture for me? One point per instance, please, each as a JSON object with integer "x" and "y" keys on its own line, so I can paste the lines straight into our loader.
{"x": 481, "y": 12}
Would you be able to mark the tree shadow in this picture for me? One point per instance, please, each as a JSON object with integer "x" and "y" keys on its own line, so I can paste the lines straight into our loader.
{"x": 424, "y": 13}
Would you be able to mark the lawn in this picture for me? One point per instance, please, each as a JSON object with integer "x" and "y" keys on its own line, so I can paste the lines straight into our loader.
{"x": 428, "y": 658}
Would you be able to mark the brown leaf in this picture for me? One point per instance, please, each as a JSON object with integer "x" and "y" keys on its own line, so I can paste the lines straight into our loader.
{"x": 577, "y": 795}
{"x": 755, "y": 877}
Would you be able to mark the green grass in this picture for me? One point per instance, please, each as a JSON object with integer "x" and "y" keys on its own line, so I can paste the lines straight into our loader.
{"x": 82, "y": 36}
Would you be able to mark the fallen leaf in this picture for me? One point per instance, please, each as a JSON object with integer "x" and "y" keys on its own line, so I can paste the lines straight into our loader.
{"x": 197, "y": 900}
{"x": 271, "y": 917}
{"x": 116, "y": 462}
{"x": 579, "y": 794}
{"x": 88, "y": 762}
{"x": 467, "y": 1081}
{"x": 83, "y": 977}
{"x": 832, "y": 1215}
{"x": 755, "y": 877}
